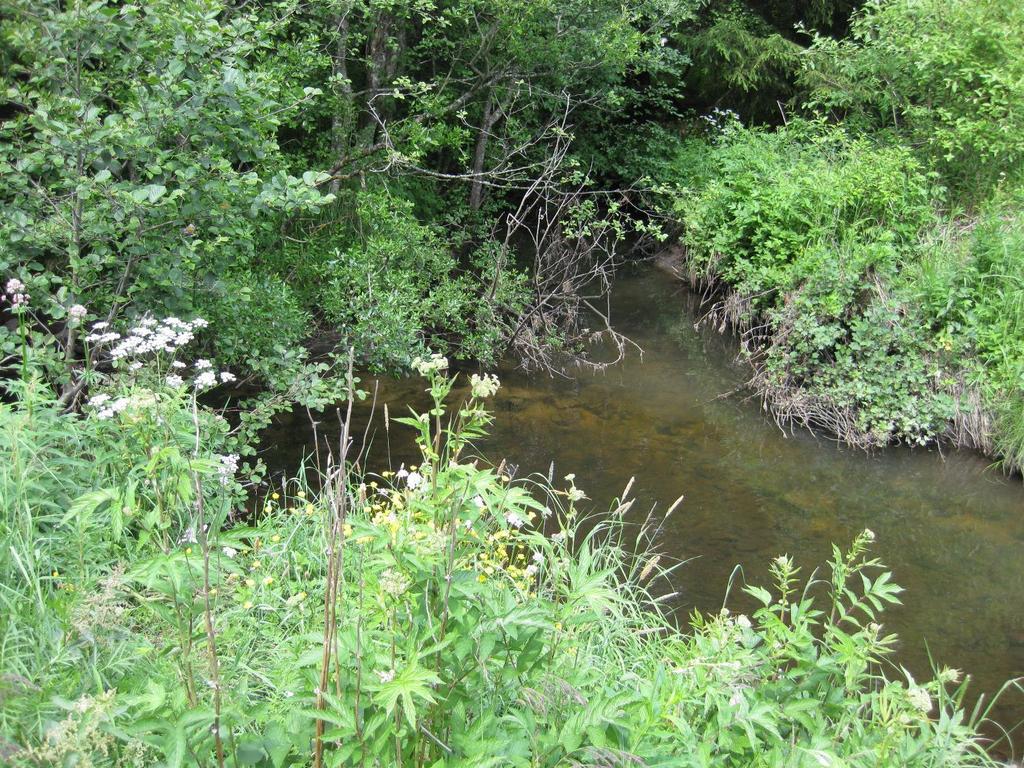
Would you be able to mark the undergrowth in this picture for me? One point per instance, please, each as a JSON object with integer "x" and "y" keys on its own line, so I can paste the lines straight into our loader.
{"x": 154, "y": 613}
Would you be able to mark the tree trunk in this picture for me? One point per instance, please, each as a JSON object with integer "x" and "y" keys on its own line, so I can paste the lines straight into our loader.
{"x": 490, "y": 117}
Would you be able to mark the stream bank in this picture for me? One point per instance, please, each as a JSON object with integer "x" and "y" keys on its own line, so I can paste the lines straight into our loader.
{"x": 947, "y": 524}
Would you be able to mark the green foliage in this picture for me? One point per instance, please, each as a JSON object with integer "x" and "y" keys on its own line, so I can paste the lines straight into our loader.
{"x": 138, "y": 175}
{"x": 947, "y": 75}
{"x": 440, "y": 615}
{"x": 811, "y": 229}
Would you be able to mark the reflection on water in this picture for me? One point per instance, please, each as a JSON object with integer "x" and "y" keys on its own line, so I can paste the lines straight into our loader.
{"x": 951, "y": 529}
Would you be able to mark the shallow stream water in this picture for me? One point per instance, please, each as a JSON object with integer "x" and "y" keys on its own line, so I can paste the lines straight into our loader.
{"x": 951, "y": 528}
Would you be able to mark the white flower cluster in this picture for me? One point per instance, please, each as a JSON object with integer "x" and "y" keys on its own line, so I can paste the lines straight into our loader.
{"x": 77, "y": 313}
{"x": 413, "y": 480}
{"x": 920, "y": 700}
{"x": 228, "y": 467}
{"x": 152, "y": 336}
{"x": 15, "y": 293}
{"x": 435, "y": 364}
{"x": 393, "y": 583}
{"x": 148, "y": 337}
{"x": 106, "y": 407}
{"x": 484, "y": 386}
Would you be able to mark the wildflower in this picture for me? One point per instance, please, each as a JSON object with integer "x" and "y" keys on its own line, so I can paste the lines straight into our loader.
{"x": 743, "y": 621}
{"x": 15, "y": 293}
{"x": 301, "y": 494}
{"x": 570, "y": 477}
{"x": 202, "y": 364}
{"x": 530, "y": 570}
{"x": 434, "y": 364}
{"x": 226, "y": 377}
{"x": 97, "y": 400}
{"x": 414, "y": 480}
{"x": 481, "y": 578}
{"x": 229, "y": 552}
{"x": 869, "y": 535}
{"x": 393, "y": 583}
{"x": 402, "y": 473}
{"x": 386, "y": 677}
{"x": 177, "y": 364}
{"x": 189, "y": 536}
{"x": 275, "y": 538}
{"x": 514, "y": 520}
{"x": 174, "y": 381}
{"x": 920, "y": 700}
{"x": 275, "y": 495}
{"x": 228, "y": 467}
{"x": 484, "y": 386}
{"x": 205, "y": 380}
{"x": 250, "y": 583}
{"x": 247, "y": 604}
{"x": 289, "y": 694}
{"x": 77, "y": 313}
{"x": 575, "y": 494}
{"x": 478, "y": 502}
{"x": 268, "y": 580}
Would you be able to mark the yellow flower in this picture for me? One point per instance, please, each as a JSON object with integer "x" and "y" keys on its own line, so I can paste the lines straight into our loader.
{"x": 301, "y": 494}
{"x": 347, "y": 530}
{"x": 250, "y": 582}
{"x": 275, "y": 538}
{"x": 481, "y": 578}
{"x": 268, "y": 581}
{"x": 55, "y": 574}
{"x": 188, "y": 550}
{"x": 213, "y": 592}
{"x": 256, "y": 565}
{"x": 247, "y": 604}
{"x": 275, "y": 495}
{"x": 364, "y": 539}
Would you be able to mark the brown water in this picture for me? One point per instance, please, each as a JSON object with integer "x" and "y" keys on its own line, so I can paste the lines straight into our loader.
{"x": 951, "y": 528}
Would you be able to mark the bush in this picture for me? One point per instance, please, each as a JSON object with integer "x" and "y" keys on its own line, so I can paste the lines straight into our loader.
{"x": 812, "y": 230}
{"x": 948, "y": 75}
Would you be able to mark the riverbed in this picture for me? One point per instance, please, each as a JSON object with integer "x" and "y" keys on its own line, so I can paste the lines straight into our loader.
{"x": 950, "y": 527}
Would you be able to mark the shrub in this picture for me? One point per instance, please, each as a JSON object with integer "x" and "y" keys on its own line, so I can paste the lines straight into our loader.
{"x": 946, "y": 74}
{"x": 811, "y": 230}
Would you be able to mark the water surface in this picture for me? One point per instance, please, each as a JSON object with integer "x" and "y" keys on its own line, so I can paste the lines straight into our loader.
{"x": 950, "y": 527}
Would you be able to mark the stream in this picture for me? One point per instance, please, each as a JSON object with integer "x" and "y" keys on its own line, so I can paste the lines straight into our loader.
{"x": 950, "y": 527}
